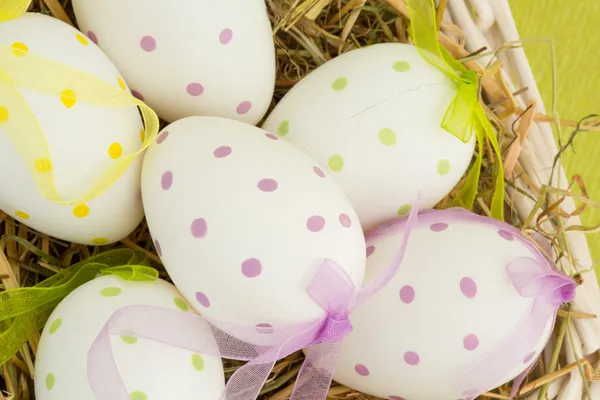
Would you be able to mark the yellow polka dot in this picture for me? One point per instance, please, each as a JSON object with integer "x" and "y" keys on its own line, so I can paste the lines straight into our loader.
{"x": 81, "y": 211}
{"x": 121, "y": 83}
{"x": 43, "y": 165}
{"x": 22, "y": 214}
{"x": 19, "y": 49}
{"x": 99, "y": 241}
{"x": 336, "y": 163}
{"x": 405, "y": 209}
{"x": 4, "y": 115}
{"x": 115, "y": 150}
{"x": 68, "y": 98}
{"x": 142, "y": 135}
{"x": 82, "y": 39}
{"x": 443, "y": 167}
{"x": 387, "y": 137}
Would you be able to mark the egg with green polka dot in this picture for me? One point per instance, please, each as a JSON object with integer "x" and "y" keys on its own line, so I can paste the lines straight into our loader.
{"x": 83, "y": 139}
{"x": 374, "y": 120}
{"x": 149, "y": 370}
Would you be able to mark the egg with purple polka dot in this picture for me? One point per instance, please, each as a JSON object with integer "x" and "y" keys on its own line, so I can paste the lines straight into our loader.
{"x": 448, "y": 311}
{"x": 245, "y": 220}
{"x": 203, "y": 57}
{"x": 373, "y": 117}
{"x": 83, "y": 139}
{"x": 149, "y": 370}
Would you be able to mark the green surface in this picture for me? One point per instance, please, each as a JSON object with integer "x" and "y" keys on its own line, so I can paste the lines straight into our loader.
{"x": 575, "y": 27}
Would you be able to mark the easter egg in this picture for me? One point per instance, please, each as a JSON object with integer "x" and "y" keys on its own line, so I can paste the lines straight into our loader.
{"x": 449, "y": 310}
{"x": 373, "y": 117}
{"x": 201, "y": 57}
{"x": 149, "y": 370}
{"x": 83, "y": 140}
{"x": 242, "y": 221}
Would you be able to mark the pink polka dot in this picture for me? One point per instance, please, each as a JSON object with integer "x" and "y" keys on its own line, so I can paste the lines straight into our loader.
{"x": 199, "y": 228}
{"x": 202, "y": 299}
{"x": 225, "y": 36}
{"x": 158, "y": 248}
{"x": 468, "y": 287}
{"x": 244, "y": 107}
{"x": 411, "y": 358}
{"x": 407, "y": 294}
{"x": 267, "y": 185}
{"x": 506, "y": 235}
{"x": 148, "y": 43}
{"x": 92, "y": 37}
{"x": 362, "y": 370}
{"x": 529, "y": 357}
{"x": 137, "y": 95}
{"x": 222, "y": 152}
{"x": 316, "y": 223}
{"x": 162, "y": 137}
{"x": 195, "y": 89}
{"x": 167, "y": 180}
{"x": 370, "y": 250}
{"x": 471, "y": 342}
{"x": 345, "y": 220}
{"x": 251, "y": 268}
{"x": 319, "y": 172}
{"x": 438, "y": 227}
{"x": 271, "y": 136}
{"x": 264, "y": 328}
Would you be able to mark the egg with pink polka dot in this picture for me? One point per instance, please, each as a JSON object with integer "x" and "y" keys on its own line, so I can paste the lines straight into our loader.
{"x": 242, "y": 221}
{"x": 200, "y": 57}
{"x": 373, "y": 118}
{"x": 149, "y": 370}
{"x": 451, "y": 324}
{"x": 83, "y": 139}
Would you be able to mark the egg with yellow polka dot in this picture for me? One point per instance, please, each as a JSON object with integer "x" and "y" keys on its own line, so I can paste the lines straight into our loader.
{"x": 149, "y": 370}
{"x": 83, "y": 140}
{"x": 373, "y": 118}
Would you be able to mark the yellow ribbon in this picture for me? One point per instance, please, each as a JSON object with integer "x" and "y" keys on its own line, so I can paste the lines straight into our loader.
{"x": 465, "y": 114}
{"x": 20, "y": 68}
{"x": 24, "y": 311}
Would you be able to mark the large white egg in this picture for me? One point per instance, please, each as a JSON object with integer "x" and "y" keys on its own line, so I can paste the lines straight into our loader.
{"x": 149, "y": 370}
{"x": 449, "y": 307}
{"x": 242, "y": 221}
{"x": 373, "y": 116}
{"x": 201, "y": 57}
{"x": 83, "y": 139}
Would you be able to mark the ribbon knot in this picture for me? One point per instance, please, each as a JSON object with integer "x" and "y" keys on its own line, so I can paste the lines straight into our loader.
{"x": 333, "y": 330}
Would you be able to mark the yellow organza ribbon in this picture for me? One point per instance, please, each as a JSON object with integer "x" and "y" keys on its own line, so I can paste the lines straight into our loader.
{"x": 20, "y": 68}
{"x": 465, "y": 114}
{"x": 24, "y": 311}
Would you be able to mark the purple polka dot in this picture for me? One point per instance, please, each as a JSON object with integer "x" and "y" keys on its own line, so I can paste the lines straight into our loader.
{"x": 158, "y": 248}
{"x": 137, "y": 95}
{"x": 345, "y": 220}
{"x": 199, "y": 228}
{"x": 396, "y": 398}
{"x": 506, "y": 235}
{"x": 316, "y": 223}
{"x": 407, "y": 294}
{"x": 267, "y": 185}
{"x": 222, "y": 152}
{"x": 251, "y": 268}
{"x": 202, "y": 299}
{"x": 438, "y": 227}
{"x": 148, "y": 43}
{"x": 370, "y": 250}
{"x": 271, "y": 136}
{"x": 162, "y": 137}
{"x": 529, "y": 357}
{"x": 471, "y": 342}
{"x": 195, "y": 89}
{"x": 468, "y": 287}
{"x": 362, "y": 370}
{"x": 244, "y": 107}
{"x": 92, "y": 37}
{"x": 225, "y": 36}
{"x": 167, "y": 180}
{"x": 411, "y": 358}
{"x": 319, "y": 172}
{"x": 264, "y": 328}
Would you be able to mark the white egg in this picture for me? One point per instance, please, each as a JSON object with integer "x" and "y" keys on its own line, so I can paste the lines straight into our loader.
{"x": 202, "y": 57}
{"x": 449, "y": 307}
{"x": 83, "y": 139}
{"x": 149, "y": 370}
{"x": 373, "y": 116}
{"x": 242, "y": 221}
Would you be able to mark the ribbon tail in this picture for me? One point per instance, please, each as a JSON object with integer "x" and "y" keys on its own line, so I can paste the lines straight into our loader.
{"x": 247, "y": 382}
{"x": 467, "y": 194}
{"x": 314, "y": 378}
{"x": 497, "y": 209}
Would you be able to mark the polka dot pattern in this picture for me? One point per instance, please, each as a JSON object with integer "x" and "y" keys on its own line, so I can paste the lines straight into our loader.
{"x": 19, "y": 49}
{"x": 339, "y": 84}
{"x": 251, "y": 268}
{"x": 148, "y": 43}
{"x": 222, "y": 152}
{"x": 121, "y": 83}
{"x": 137, "y": 95}
{"x": 43, "y": 165}
{"x": 506, "y": 235}
{"x": 401, "y": 66}
{"x": 92, "y": 37}
{"x": 471, "y": 342}
{"x": 336, "y": 163}
{"x": 157, "y": 247}
{"x": 345, "y": 220}
{"x": 112, "y": 291}
{"x": 142, "y": 135}
{"x": 50, "y": 381}
{"x": 226, "y": 36}
{"x": 182, "y": 305}
{"x": 370, "y": 251}
{"x": 81, "y": 211}
{"x": 362, "y": 370}
{"x": 68, "y": 98}
{"x": 55, "y": 326}
{"x": 138, "y": 395}
{"x": 129, "y": 339}
{"x": 198, "y": 362}
{"x": 4, "y": 114}
{"x": 271, "y": 136}
{"x": 244, "y": 107}
{"x": 411, "y": 358}
{"x": 99, "y": 241}
{"x": 387, "y": 137}
{"x": 319, "y": 172}
{"x": 284, "y": 128}
{"x": 115, "y": 150}
{"x": 195, "y": 89}
{"x": 199, "y": 228}
{"x": 166, "y": 180}
{"x": 162, "y": 137}
{"x": 407, "y": 294}
{"x": 81, "y": 39}
{"x": 468, "y": 287}
{"x": 202, "y": 299}
{"x": 267, "y": 185}
{"x": 265, "y": 328}
{"x": 316, "y": 223}
{"x": 22, "y": 214}
{"x": 443, "y": 167}
{"x": 438, "y": 227}
{"x": 404, "y": 210}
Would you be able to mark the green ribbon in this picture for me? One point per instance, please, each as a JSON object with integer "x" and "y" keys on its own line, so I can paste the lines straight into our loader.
{"x": 25, "y": 311}
{"x": 464, "y": 115}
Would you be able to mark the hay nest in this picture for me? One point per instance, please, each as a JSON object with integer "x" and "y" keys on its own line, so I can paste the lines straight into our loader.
{"x": 308, "y": 33}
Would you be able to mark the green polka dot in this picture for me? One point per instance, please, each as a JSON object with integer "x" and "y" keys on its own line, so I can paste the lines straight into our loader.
{"x": 129, "y": 339}
{"x": 336, "y": 163}
{"x": 443, "y": 167}
{"x": 110, "y": 291}
{"x": 138, "y": 395}
{"x": 387, "y": 137}
{"x": 198, "y": 362}
{"x": 50, "y": 381}
{"x": 401, "y": 66}
{"x": 55, "y": 325}
{"x": 405, "y": 209}
{"x": 284, "y": 128}
{"x": 340, "y": 84}
{"x": 182, "y": 305}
